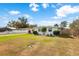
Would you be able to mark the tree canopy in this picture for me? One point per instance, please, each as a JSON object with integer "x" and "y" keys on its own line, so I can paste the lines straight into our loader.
{"x": 20, "y": 23}
{"x": 63, "y": 24}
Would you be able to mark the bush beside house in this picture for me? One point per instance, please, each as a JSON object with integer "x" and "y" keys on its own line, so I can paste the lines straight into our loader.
{"x": 35, "y": 32}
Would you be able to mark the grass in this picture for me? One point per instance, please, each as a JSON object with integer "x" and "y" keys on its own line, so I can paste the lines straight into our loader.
{"x": 11, "y": 36}
{"x": 33, "y": 45}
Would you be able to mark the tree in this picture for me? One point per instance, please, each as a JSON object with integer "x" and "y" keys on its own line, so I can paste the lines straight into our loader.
{"x": 31, "y": 26}
{"x": 74, "y": 26}
{"x": 63, "y": 24}
{"x": 56, "y": 29}
{"x": 20, "y": 23}
{"x": 23, "y": 22}
{"x": 56, "y": 25}
{"x": 12, "y": 23}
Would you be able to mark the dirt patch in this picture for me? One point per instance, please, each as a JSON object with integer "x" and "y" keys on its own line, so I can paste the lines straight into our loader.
{"x": 5, "y": 50}
{"x": 14, "y": 47}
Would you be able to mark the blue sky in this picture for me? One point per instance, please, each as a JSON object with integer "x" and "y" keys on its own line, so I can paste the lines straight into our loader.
{"x": 39, "y": 13}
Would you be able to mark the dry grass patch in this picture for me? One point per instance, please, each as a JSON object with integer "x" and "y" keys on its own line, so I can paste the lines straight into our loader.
{"x": 32, "y": 45}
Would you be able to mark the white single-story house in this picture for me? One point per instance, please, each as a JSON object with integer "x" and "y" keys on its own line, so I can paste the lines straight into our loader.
{"x": 49, "y": 30}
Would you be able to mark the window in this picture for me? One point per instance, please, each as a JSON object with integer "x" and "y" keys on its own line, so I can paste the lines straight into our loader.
{"x": 50, "y": 30}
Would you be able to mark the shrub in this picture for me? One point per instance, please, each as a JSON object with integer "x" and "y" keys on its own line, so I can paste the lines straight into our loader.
{"x": 65, "y": 33}
{"x": 35, "y": 32}
{"x": 43, "y": 29}
{"x": 51, "y": 35}
{"x": 56, "y": 32}
{"x": 74, "y": 26}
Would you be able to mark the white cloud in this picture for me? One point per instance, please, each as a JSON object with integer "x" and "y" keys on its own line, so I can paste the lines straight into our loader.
{"x": 27, "y": 16}
{"x": 48, "y": 23}
{"x": 2, "y": 17}
{"x": 31, "y": 22}
{"x": 45, "y": 5}
{"x": 56, "y": 17}
{"x": 34, "y": 7}
{"x": 3, "y": 21}
{"x": 14, "y": 12}
{"x": 66, "y": 10}
{"x": 30, "y": 18}
{"x": 59, "y": 4}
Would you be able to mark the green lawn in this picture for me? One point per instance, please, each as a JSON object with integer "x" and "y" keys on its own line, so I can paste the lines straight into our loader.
{"x": 29, "y": 44}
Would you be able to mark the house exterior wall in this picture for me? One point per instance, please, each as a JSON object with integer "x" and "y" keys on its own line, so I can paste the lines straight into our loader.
{"x": 15, "y": 31}
{"x": 47, "y": 31}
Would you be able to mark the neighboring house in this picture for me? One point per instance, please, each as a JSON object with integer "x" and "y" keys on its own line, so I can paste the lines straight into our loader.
{"x": 12, "y": 30}
{"x": 3, "y": 29}
{"x": 49, "y": 30}
{"x": 20, "y": 30}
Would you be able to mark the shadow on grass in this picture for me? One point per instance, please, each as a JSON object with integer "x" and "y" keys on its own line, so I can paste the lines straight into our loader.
{"x": 62, "y": 36}
{"x": 65, "y": 36}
